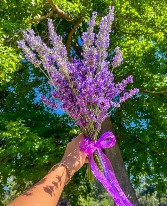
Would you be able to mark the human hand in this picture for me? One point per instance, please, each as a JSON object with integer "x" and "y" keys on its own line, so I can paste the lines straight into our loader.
{"x": 73, "y": 157}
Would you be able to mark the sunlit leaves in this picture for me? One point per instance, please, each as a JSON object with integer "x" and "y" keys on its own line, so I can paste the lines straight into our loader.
{"x": 140, "y": 29}
{"x": 9, "y": 63}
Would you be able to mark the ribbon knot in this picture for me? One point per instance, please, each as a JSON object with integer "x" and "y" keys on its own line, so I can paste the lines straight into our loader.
{"x": 106, "y": 140}
{"x": 108, "y": 178}
{"x": 88, "y": 146}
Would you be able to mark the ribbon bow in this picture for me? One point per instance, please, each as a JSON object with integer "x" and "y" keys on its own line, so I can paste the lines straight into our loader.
{"x": 107, "y": 177}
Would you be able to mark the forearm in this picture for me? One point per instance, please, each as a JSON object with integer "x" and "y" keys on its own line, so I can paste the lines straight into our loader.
{"x": 46, "y": 192}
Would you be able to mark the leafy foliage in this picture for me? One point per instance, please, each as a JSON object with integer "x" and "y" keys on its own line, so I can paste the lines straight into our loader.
{"x": 34, "y": 137}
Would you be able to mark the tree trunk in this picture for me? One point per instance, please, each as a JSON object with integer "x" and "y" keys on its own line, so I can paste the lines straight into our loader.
{"x": 116, "y": 159}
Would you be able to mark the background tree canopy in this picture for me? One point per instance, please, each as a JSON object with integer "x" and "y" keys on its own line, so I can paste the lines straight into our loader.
{"x": 33, "y": 136}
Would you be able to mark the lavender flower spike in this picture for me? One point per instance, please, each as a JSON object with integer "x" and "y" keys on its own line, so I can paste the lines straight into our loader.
{"x": 117, "y": 59}
{"x": 88, "y": 37}
{"x": 103, "y": 40}
{"x": 30, "y": 56}
{"x": 59, "y": 52}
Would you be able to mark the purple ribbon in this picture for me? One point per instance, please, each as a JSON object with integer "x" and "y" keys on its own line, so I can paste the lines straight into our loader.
{"x": 108, "y": 178}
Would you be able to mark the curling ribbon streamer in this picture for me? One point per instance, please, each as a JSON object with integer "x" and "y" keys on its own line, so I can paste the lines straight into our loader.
{"x": 108, "y": 179}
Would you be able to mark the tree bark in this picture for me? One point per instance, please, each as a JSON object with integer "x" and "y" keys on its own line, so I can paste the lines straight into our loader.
{"x": 114, "y": 155}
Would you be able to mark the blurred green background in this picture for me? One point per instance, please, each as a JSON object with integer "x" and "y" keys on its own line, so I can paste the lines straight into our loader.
{"x": 33, "y": 137}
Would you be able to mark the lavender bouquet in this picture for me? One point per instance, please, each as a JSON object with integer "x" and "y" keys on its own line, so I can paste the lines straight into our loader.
{"x": 86, "y": 89}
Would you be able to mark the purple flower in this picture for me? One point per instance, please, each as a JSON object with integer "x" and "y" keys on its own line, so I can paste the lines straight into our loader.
{"x": 103, "y": 39}
{"x": 85, "y": 88}
{"x": 88, "y": 37}
{"x": 30, "y": 56}
{"x": 117, "y": 59}
{"x": 49, "y": 103}
{"x": 129, "y": 94}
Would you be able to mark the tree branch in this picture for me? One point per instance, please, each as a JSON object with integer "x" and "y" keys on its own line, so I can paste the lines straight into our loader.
{"x": 6, "y": 159}
{"x": 130, "y": 33}
{"x": 78, "y": 50}
{"x": 41, "y": 18}
{"x": 69, "y": 37}
{"x": 152, "y": 92}
{"x": 60, "y": 13}
{"x": 114, "y": 154}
